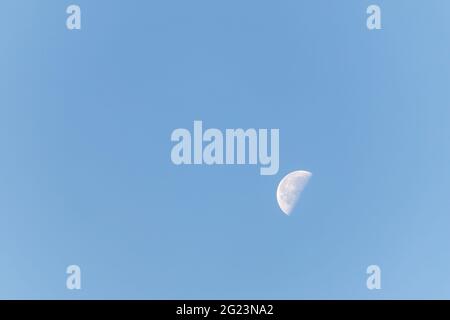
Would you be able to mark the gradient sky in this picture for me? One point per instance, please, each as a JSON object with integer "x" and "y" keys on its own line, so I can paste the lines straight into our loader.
{"x": 85, "y": 170}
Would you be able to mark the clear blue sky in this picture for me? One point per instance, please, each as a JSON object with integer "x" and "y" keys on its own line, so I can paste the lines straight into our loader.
{"x": 85, "y": 170}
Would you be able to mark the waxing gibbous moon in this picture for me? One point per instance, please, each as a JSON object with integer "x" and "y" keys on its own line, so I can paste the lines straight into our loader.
{"x": 290, "y": 189}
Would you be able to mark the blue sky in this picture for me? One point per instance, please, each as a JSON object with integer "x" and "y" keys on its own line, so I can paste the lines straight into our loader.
{"x": 85, "y": 170}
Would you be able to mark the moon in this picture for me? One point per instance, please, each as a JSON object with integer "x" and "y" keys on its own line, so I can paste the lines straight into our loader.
{"x": 290, "y": 189}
